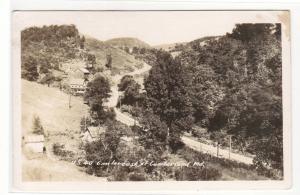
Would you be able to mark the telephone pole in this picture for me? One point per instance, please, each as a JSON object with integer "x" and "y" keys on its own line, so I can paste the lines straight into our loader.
{"x": 70, "y": 100}
{"x": 230, "y": 145}
{"x": 218, "y": 145}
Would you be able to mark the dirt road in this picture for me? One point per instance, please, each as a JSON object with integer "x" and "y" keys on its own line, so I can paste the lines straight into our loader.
{"x": 206, "y": 148}
{"x": 113, "y": 100}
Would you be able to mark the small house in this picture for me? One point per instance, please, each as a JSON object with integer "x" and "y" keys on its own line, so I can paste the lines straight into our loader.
{"x": 35, "y": 143}
{"x": 92, "y": 133}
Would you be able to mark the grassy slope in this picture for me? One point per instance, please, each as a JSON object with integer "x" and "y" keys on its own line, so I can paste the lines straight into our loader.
{"x": 127, "y": 42}
{"x": 60, "y": 123}
{"x": 169, "y": 46}
{"x": 52, "y": 106}
{"x": 44, "y": 169}
{"x": 121, "y": 61}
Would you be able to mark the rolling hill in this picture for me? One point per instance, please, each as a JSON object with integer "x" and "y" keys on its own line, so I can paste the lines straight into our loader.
{"x": 122, "y": 62}
{"x": 127, "y": 42}
{"x": 170, "y": 46}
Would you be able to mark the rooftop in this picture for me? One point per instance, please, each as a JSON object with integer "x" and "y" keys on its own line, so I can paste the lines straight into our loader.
{"x": 77, "y": 81}
{"x": 95, "y": 131}
{"x": 84, "y": 70}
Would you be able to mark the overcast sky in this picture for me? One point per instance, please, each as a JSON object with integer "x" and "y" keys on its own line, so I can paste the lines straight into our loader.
{"x": 159, "y": 27}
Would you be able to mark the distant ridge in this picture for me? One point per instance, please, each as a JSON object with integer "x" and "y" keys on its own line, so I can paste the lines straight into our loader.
{"x": 127, "y": 42}
{"x": 169, "y": 46}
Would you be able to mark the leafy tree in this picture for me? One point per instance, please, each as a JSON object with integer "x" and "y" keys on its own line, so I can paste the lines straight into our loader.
{"x": 48, "y": 79}
{"x": 153, "y": 134}
{"x": 131, "y": 94}
{"x": 135, "y": 50}
{"x": 143, "y": 50}
{"x": 104, "y": 149}
{"x": 98, "y": 90}
{"x": 108, "y": 63}
{"x": 278, "y": 31}
{"x": 37, "y": 126}
{"x": 167, "y": 96}
{"x": 44, "y": 66}
{"x": 84, "y": 123}
{"x": 205, "y": 92}
{"x": 127, "y": 49}
{"x": 91, "y": 59}
{"x": 29, "y": 69}
{"x": 269, "y": 151}
{"x": 82, "y": 41}
{"x": 125, "y": 82}
{"x": 248, "y": 32}
{"x": 131, "y": 90}
{"x": 112, "y": 136}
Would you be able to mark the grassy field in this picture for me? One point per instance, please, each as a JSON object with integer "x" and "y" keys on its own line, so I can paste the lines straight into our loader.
{"x": 122, "y": 62}
{"x": 52, "y": 106}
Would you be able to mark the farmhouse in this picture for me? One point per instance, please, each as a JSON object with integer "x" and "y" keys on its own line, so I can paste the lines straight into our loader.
{"x": 78, "y": 86}
{"x": 35, "y": 143}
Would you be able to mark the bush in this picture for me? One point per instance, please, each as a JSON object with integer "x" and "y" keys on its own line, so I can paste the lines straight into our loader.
{"x": 37, "y": 126}
{"x": 120, "y": 174}
{"x": 137, "y": 176}
{"x": 59, "y": 150}
{"x": 197, "y": 173}
{"x": 126, "y": 108}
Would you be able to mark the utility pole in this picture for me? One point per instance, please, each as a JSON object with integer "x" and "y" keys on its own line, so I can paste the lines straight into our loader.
{"x": 218, "y": 149}
{"x": 85, "y": 123}
{"x": 70, "y": 100}
{"x": 229, "y": 145}
{"x": 167, "y": 140}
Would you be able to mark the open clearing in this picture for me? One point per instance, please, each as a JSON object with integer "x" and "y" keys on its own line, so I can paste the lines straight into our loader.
{"x": 52, "y": 106}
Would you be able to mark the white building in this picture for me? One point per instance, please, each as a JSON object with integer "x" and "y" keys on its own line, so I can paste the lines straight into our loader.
{"x": 35, "y": 143}
{"x": 78, "y": 86}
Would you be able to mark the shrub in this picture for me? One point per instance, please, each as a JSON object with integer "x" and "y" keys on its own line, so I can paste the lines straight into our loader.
{"x": 197, "y": 173}
{"x": 137, "y": 177}
{"x": 126, "y": 108}
{"x": 37, "y": 126}
{"x": 120, "y": 174}
{"x": 59, "y": 150}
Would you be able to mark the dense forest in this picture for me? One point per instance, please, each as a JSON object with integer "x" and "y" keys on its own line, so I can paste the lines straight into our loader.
{"x": 236, "y": 88}
{"x": 46, "y": 48}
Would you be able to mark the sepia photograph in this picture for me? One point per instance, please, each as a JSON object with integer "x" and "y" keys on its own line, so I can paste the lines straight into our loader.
{"x": 140, "y": 96}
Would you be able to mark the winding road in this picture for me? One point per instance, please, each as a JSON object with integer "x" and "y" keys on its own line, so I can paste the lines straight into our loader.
{"x": 212, "y": 150}
{"x": 113, "y": 100}
{"x": 191, "y": 143}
